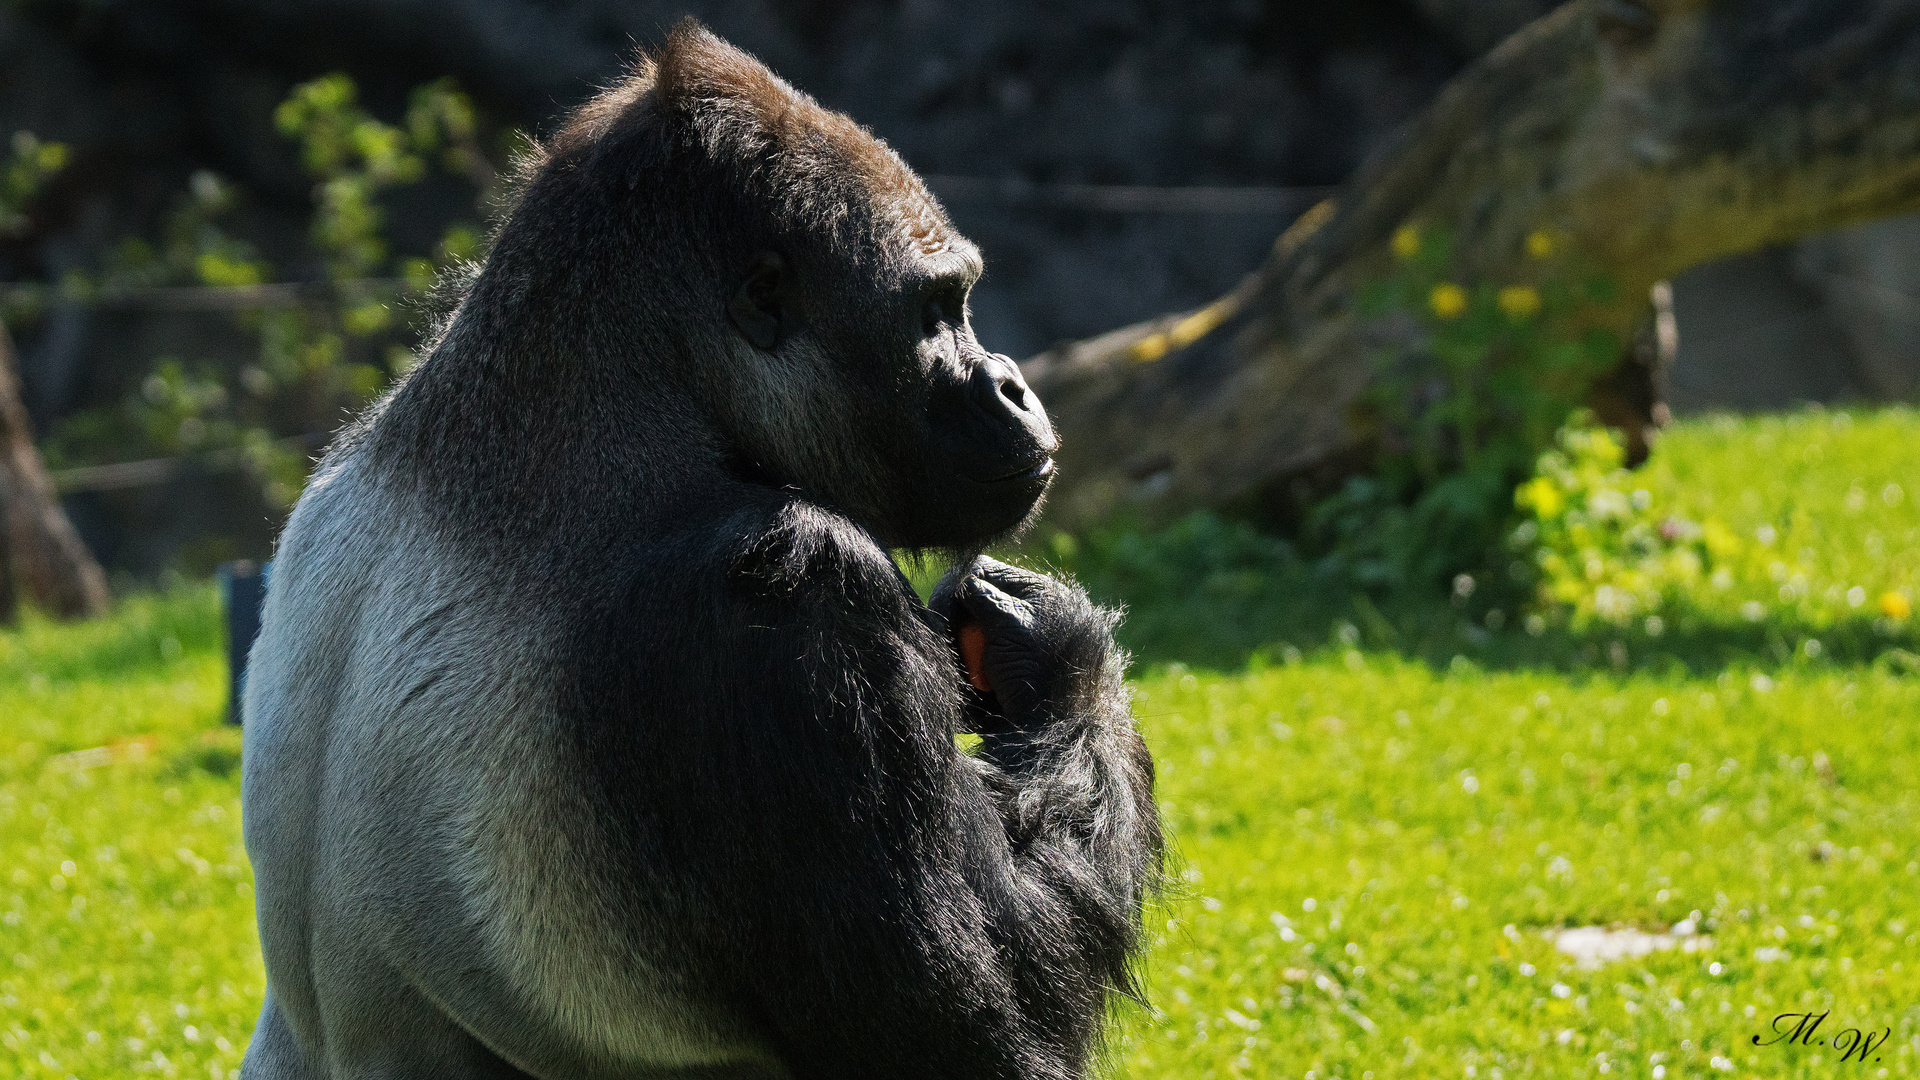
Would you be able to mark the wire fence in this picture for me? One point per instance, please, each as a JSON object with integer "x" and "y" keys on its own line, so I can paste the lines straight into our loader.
{"x": 1012, "y": 192}
{"x": 122, "y": 475}
{"x": 167, "y": 299}
{"x": 1128, "y": 199}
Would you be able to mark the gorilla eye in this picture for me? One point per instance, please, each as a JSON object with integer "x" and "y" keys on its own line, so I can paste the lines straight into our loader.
{"x": 945, "y": 306}
{"x": 931, "y": 318}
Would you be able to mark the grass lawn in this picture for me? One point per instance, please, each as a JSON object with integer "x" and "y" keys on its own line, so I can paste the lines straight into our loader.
{"x": 1378, "y": 816}
{"x": 126, "y": 904}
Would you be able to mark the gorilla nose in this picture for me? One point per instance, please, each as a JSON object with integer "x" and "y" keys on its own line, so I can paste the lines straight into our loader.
{"x": 1014, "y": 389}
{"x": 1000, "y": 392}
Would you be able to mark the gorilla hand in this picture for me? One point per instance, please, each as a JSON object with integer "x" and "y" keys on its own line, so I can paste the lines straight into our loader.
{"x": 1025, "y": 617}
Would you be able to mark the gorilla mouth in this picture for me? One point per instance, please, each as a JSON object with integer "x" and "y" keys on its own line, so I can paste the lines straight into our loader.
{"x": 1039, "y": 470}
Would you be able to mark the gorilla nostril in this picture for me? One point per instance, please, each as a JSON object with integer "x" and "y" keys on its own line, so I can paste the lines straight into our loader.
{"x": 1001, "y": 395}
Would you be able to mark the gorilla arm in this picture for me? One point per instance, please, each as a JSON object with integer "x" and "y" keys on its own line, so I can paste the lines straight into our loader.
{"x": 1070, "y": 775}
{"x": 922, "y": 912}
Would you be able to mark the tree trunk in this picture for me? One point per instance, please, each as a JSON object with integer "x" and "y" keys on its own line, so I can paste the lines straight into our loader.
{"x": 1651, "y": 135}
{"x": 53, "y": 567}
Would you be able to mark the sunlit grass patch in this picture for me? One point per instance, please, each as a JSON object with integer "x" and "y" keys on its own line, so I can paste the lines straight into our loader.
{"x": 1370, "y": 853}
{"x": 127, "y": 944}
{"x": 1823, "y": 494}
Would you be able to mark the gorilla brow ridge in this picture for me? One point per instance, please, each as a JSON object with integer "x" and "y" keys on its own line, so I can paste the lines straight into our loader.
{"x": 775, "y": 138}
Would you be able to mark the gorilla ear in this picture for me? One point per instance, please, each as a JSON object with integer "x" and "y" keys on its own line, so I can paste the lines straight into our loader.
{"x": 760, "y": 310}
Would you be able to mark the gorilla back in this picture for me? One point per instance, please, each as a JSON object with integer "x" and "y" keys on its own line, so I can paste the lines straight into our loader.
{"x": 591, "y": 731}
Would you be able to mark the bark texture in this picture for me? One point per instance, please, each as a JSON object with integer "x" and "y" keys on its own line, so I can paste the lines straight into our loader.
{"x": 39, "y": 547}
{"x": 1653, "y": 135}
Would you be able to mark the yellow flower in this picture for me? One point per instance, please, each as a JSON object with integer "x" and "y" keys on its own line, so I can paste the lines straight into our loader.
{"x": 1542, "y": 496}
{"x": 1519, "y": 301}
{"x": 1895, "y": 606}
{"x": 1448, "y": 301}
{"x": 1540, "y": 244}
{"x": 1720, "y": 540}
{"x": 1406, "y": 241}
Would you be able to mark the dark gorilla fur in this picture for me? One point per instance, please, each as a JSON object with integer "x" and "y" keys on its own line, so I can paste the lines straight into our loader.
{"x": 592, "y": 731}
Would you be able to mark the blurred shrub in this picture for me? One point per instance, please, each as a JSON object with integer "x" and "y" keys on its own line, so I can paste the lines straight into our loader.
{"x": 28, "y": 166}
{"x": 1603, "y": 550}
{"x": 1470, "y": 383}
{"x": 1195, "y": 589}
{"x": 1698, "y": 559}
{"x": 1478, "y": 377}
{"x": 1802, "y": 542}
{"x": 354, "y": 157}
{"x": 323, "y": 352}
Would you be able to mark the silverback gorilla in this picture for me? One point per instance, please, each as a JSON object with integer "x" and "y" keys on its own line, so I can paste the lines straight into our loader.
{"x": 592, "y": 731}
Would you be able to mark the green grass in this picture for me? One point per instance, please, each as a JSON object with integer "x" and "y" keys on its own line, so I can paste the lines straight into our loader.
{"x": 1377, "y": 809}
{"x": 1833, "y": 490}
{"x": 1417, "y": 831}
{"x": 126, "y": 906}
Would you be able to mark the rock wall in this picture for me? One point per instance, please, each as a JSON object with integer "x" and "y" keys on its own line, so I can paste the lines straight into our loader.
{"x": 1833, "y": 319}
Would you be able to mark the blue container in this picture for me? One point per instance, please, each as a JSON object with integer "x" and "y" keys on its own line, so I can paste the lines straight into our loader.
{"x": 243, "y": 591}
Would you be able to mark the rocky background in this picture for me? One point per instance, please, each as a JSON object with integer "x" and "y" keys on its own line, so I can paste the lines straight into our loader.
{"x": 1010, "y": 107}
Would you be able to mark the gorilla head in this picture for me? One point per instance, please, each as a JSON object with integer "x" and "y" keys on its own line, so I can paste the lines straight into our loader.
{"x": 795, "y": 281}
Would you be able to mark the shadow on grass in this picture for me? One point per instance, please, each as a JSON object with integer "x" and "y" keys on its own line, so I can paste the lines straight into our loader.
{"x": 1440, "y": 634}
{"x": 1214, "y": 595}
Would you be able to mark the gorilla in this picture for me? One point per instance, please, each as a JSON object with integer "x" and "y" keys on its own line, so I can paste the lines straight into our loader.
{"x": 592, "y": 730}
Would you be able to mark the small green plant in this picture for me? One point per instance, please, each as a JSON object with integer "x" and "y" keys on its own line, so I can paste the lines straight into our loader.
{"x": 1194, "y": 588}
{"x": 318, "y": 356}
{"x": 1477, "y": 378}
{"x": 28, "y": 168}
{"x": 1602, "y": 549}
{"x": 354, "y": 157}
{"x": 1609, "y": 548}
{"x": 194, "y": 247}
{"x": 1470, "y": 384}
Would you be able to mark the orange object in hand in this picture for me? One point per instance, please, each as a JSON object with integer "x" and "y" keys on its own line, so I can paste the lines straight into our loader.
{"x": 973, "y": 653}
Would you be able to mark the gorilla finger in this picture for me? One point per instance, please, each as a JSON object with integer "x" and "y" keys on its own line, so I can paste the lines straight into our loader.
{"x": 994, "y": 608}
{"x": 946, "y": 592}
{"x": 1018, "y": 581}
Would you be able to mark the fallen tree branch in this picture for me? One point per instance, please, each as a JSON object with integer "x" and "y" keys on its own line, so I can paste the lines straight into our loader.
{"x": 1653, "y": 135}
